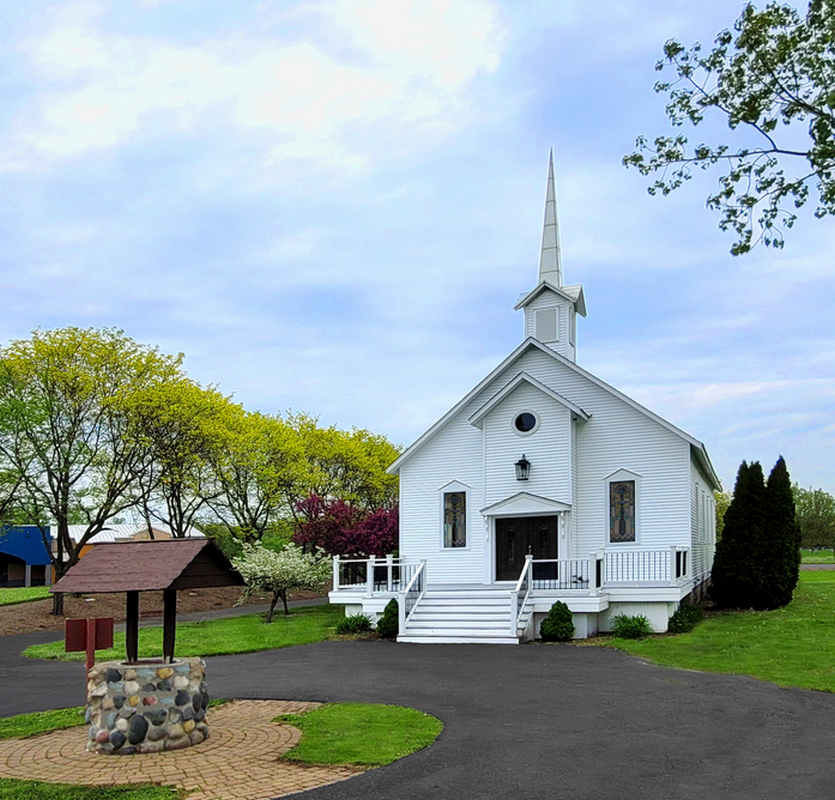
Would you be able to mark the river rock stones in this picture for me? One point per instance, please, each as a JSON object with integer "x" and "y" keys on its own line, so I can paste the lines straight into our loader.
{"x": 146, "y": 708}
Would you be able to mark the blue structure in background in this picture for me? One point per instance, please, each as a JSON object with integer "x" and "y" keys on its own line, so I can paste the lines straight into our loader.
{"x": 24, "y": 556}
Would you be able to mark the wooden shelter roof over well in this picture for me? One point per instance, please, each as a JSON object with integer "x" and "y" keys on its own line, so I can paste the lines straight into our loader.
{"x": 151, "y": 565}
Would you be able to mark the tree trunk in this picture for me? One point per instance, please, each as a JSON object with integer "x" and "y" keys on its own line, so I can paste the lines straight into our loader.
{"x": 58, "y": 604}
{"x": 284, "y": 598}
{"x": 272, "y": 607}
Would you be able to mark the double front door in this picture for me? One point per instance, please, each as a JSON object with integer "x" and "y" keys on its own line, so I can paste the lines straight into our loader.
{"x": 517, "y": 537}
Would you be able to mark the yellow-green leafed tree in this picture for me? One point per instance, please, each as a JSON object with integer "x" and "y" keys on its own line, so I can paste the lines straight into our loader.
{"x": 258, "y": 467}
{"x": 68, "y": 400}
{"x": 184, "y": 426}
{"x": 349, "y": 465}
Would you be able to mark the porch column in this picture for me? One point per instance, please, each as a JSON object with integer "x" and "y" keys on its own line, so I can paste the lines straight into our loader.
{"x": 27, "y": 574}
{"x": 369, "y": 578}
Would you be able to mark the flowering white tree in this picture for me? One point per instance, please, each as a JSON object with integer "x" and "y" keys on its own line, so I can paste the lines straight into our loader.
{"x": 266, "y": 570}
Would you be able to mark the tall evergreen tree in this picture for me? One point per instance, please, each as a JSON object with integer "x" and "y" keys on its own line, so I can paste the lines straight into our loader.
{"x": 737, "y": 578}
{"x": 782, "y": 536}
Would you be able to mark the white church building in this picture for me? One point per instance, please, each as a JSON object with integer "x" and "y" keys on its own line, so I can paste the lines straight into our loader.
{"x": 543, "y": 483}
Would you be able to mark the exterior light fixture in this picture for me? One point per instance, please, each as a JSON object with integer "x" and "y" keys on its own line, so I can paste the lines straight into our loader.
{"x": 523, "y": 468}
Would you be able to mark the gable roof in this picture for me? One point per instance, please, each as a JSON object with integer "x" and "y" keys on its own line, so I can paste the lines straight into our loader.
{"x": 529, "y": 343}
{"x": 525, "y": 503}
{"x": 523, "y": 377}
{"x": 574, "y": 294}
{"x": 148, "y": 565}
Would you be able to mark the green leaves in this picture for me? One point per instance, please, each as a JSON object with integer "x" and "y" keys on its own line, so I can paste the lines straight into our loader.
{"x": 775, "y": 70}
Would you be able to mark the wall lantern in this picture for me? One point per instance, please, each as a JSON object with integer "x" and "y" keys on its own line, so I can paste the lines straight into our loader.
{"x": 523, "y": 468}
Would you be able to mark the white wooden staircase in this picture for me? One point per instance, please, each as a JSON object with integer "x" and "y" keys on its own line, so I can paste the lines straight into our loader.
{"x": 460, "y": 616}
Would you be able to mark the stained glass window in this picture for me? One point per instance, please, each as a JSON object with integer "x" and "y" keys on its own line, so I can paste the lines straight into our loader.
{"x": 455, "y": 519}
{"x": 622, "y": 511}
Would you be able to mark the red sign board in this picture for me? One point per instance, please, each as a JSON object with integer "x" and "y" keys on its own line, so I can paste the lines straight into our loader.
{"x": 94, "y": 633}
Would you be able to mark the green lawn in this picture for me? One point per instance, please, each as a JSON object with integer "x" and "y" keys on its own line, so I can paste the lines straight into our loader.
{"x": 36, "y": 790}
{"x": 817, "y": 556}
{"x": 360, "y": 734}
{"x": 792, "y": 646}
{"x": 217, "y": 637}
{"x": 23, "y": 594}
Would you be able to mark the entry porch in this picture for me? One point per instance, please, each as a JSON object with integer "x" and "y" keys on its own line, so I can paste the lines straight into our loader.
{"x": 652, "y": 582}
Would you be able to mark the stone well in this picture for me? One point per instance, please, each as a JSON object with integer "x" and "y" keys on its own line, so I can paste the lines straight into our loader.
{"x": 146, "y": 707}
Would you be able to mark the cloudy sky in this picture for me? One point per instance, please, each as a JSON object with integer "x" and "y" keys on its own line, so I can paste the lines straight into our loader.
{"x": 331, "y": 206}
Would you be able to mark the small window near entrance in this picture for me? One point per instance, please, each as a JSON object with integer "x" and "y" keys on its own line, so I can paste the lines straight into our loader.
{"x": 455, "y": 519}
{"x": 622, "y": 511}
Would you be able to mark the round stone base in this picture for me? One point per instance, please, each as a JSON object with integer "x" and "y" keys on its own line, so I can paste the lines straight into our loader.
{"x": 146, "y": 707}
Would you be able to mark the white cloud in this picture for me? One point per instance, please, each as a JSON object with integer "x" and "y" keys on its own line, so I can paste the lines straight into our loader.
{"x": 106, "y": 88}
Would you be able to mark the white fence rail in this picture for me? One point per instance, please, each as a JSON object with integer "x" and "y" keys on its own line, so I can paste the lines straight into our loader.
{"x": 607, "y": 567}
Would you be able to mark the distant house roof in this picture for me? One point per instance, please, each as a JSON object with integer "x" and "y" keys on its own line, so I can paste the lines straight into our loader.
{"x": 146, "y": 565}
{"x": 127, "y": 532}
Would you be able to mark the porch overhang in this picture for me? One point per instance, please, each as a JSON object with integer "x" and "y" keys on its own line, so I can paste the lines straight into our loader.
{"x": 525, "y": 504}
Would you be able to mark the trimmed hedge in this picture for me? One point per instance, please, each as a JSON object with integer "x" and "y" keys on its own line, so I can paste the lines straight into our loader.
{"x": 558, "y": 625}
{"x": 389, "y": 624}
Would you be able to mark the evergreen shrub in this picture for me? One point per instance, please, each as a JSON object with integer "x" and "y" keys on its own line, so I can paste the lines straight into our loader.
{"x": 389, "y": 624}
{"x": 558, "y": 625}
{"x": 356, "y": 623}
{"x": 626, "y": 627}
{"x": 758, "y": 557}
{"x": 685, "y": 619}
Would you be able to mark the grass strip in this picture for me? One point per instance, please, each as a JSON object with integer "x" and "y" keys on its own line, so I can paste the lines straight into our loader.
{"x": 247, "y": 634}
{"x": 23, "y": 594}
{"x": 11, "y": 789}
{"x": 25, "y": 725}
{"x": 817, "y": 556}
{"x": 791, "y": 646}
{"x": 359, "y": 734}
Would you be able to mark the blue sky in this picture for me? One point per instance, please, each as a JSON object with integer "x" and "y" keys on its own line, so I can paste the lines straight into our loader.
{"x": 331, "y": 207}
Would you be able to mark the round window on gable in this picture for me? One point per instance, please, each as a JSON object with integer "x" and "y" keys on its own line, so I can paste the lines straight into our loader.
{"x": 526, "y": 422}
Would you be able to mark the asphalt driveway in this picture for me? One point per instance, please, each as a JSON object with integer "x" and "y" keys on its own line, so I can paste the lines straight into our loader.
{"x": 534, "y": 721}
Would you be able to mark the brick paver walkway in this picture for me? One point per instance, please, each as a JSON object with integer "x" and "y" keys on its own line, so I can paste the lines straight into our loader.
{"x": 237, "y": 762}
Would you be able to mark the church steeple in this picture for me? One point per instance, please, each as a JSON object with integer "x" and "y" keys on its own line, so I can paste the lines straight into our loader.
{"x": 551, "y": 308}
{"x": 550, "y": 259}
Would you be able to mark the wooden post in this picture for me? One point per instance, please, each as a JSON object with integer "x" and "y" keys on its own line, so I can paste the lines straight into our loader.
{"x": 91, "y": 642}
{"x": 336, "y": 573}
{"x": 389, "y": 565}
{"x": 132, "y": 627}
{"x": 169, "y": 624}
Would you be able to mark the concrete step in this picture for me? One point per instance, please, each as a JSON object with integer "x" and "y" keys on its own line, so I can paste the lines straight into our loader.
{"x": 456, "y": 637}
{"x": 459, "y": 624}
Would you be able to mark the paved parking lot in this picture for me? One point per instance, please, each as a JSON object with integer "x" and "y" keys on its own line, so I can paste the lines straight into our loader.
{"x": 534, "y": 721}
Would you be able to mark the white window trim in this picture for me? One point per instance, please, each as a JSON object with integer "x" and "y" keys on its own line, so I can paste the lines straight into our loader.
{"x": 616, "y": 477}
{"x": 455, "y": 486}
{"x": 532, "y": 431}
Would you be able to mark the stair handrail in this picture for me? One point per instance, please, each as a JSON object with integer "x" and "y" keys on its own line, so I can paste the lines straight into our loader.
{"x": 410, "y": 596}
{"x": 519, "y": 596}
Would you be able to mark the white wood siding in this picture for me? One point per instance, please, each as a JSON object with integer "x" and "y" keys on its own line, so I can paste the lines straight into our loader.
{"x": 702, "y": 523}
{"x": 616, "y": 437}
{"x": 547, "y": 448}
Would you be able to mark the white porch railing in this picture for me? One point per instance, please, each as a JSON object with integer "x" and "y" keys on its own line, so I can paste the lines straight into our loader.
{"x": 670, "y": 566}
{"x": 519, "y": 597}
{"x": 373, "y": 575}
{"x": 410, "y": 596}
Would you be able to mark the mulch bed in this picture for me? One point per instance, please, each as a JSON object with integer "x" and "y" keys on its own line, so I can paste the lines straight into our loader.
{"x": 36, "y": 616}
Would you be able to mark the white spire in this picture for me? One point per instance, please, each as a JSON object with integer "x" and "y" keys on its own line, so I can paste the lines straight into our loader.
{"x": 550, "y": 261}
